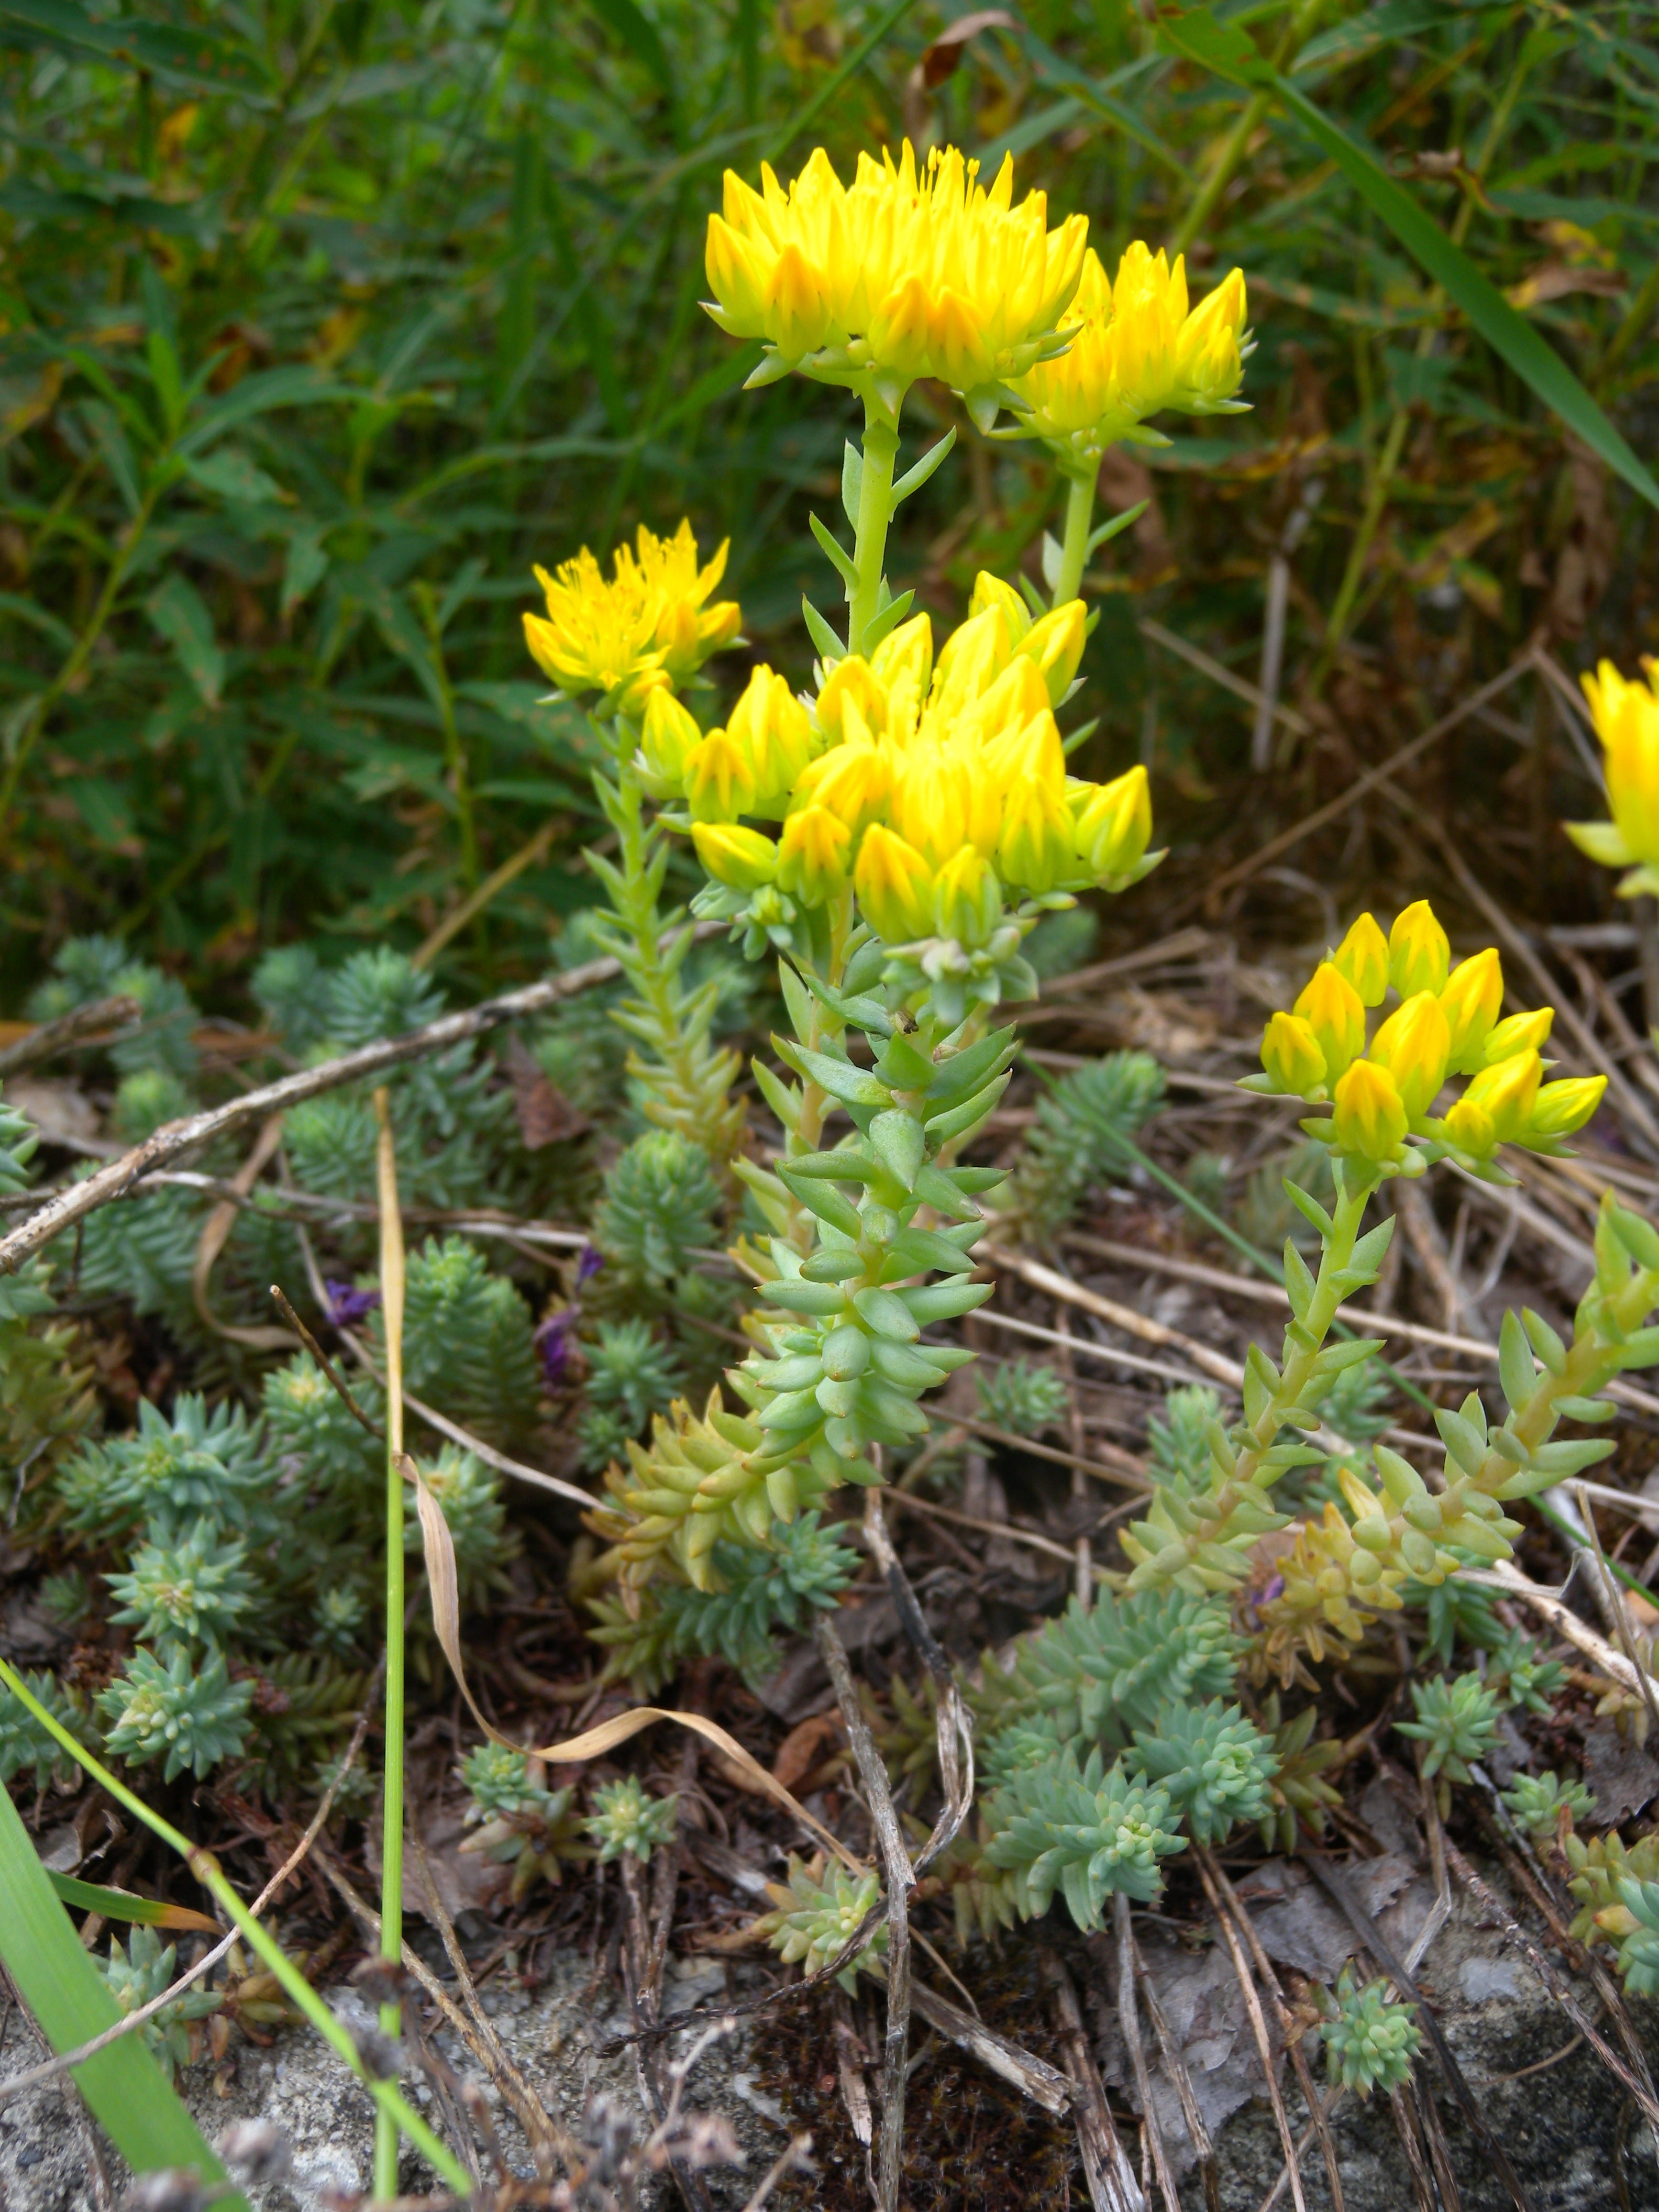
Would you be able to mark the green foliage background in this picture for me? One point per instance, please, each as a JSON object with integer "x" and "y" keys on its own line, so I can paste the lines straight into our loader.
{"x": 321, "y": 321}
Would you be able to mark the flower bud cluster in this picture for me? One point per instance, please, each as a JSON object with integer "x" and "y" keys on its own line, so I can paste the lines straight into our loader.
{"x": 914, "y": 270}
{"x": 1383, "y": 1093}
{"x": 1626, "y": 719}
{"x": 1138, "y": 350}
{"x": 644, "y": 630}
{"x": 935, "y": 789}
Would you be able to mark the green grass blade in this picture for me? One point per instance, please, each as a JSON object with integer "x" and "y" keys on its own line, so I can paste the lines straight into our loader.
{"x": 122, "y": 1904}
{"x": 129, "y": 2096}
{"x": 1226, "y": 50}
{"x": 1509, "y": 334}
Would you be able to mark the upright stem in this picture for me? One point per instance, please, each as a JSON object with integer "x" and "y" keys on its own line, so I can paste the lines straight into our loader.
{"x": 455, "y": 758}
{"x": 1236, "y": 144}
{"x": 81, "y": 651}
{"x": 392, "y": 1800}
{"x": 870, "y": 532}
{"x": 1074, "y": 546}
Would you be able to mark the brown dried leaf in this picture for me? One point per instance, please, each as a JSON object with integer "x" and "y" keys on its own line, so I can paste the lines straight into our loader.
{"x": 545, "y": 1115}
{"x": 802, "y": 1750}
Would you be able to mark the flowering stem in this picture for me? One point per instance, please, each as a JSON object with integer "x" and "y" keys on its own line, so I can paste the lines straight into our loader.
{"x": 1074, "y": 548}
{"x": 208, "y": 1871}
{"x": 870, "y": 531}
{"x": 391, "y": 1799}
{"x": 689, "y": 1089}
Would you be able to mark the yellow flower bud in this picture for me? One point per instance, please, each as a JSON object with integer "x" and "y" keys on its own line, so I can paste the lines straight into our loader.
{"x": 1413, "y": 1045}
{"x": 742, "y": 859}
{"x": 1505, "y": 1092}
{"x": 852, "y": 683}
{"x": 815, "y": 851}
{"x": 853, "y": 780}
{"x": 1362, "y": 959}
{"x": 1370, "y": 1114}
{"x": 967, "y": 900}
{"x": 906, "y": 651}
{"x": 971, "y": 660}
{"x": 771, "y": 726}
{"x": 1330, "y": 1005}
{"x": 990, "y": 591}
{"x": 719, "y": 778}
{"x": 1470, "y": 1128}
{"x": 1055, "y": 645}
{"x": 1035, "y": 849}
{"x": 1471, "y": 1002}
{"x": 1291, "y": 1054}
{"x": 932, "y": 803}
{"x": 1112, "y": 824}
{"x": 894, "y": 887}
{"x": 1520, "y": 1033}
{"x": 1561, "y": 1107}
{"x": 1418, "y": 954}
{"x": 667, "y": 738}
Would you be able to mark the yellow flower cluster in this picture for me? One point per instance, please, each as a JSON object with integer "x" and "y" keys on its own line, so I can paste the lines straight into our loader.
{"x": 928, "y": 786}
{"x": 908, "y": 272}
{"x": 644, "y": 631}
{"x": 1139, "y": 350}
{"x": 1626, "y": 717}
{"x": 1446, "y": 1025}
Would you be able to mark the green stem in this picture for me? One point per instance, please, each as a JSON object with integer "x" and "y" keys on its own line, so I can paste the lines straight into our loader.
{"x": 1642, "y": 310}
{"x": 81, "y": 652}
{"x": 1236, "y": 144}
{"x": 875, "y": 513}
{"x": 391, "y": 1798}
{"x": 1074, "y": 546}
{"x": 208, "y": 1871}
{"x": 455, "y": 758}
{"x": 692, "y": 1093}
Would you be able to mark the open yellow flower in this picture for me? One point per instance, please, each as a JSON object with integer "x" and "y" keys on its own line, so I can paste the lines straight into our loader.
{"x": 1138, "y": 351}
{"x": 645, "y": 628}
{"x": 909, "y": 271}
{"x": 1626, "y": 718}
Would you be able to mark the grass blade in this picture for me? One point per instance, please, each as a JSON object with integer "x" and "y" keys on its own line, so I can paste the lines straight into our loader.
{"x": 129, "y": 2096}
{"x": 122, "y": 1904}
{"x": 1509, "y": 334}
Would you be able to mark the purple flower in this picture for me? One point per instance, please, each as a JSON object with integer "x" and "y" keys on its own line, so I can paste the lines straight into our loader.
{"x": 554, "y": 1340}
{"x": 589, "y": 1264}
{"x": 347, "y": 1304}
{"x": 1270, "y": 1591}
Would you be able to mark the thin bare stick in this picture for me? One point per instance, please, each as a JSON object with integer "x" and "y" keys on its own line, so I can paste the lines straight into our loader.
{"x": 1176, "y": 2066}
{"x": 1258, "y": 2025}
{"x": 1292, "y": 2042}
{"x": 285, "y": 1308}
{"x": 1057, "y": 1285}
{"x": 1112, "y": 2184}
{"x": 1129, "y": 2021}
{"x": 897, "y": 1859}
{"x": 1411, "y": 2142}
{"x": 48, "y": 1038}
{"x": 174, "y": 1139}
